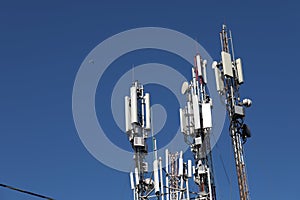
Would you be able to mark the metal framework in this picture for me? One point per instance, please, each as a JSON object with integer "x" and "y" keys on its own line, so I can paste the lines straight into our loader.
{"x": 196, "y": 124}
{"x": 146, "y": 184}
{"x": 229, "y": 77}
{"x": 137, "y": 115}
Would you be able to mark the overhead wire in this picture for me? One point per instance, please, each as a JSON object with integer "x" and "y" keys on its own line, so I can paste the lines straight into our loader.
{"x": 222, "y": 160}
{"x": 26, "y": 192}
{"x": 223, "y": 164}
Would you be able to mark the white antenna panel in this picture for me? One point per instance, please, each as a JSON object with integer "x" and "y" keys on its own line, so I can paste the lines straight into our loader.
{"x": 128, "y": 126}
{"x": 148, "y": 111}
{"x": 161, "y": 177}
{"x": 239, "y": 70}
{"x": 189, "y": 169}
{"x": 193, "y": 72}
{"x": 180, "y": 169}
{"x": 206, "y": 114}
{"x": 167, "y": 160}
{"x": 219, "y": 81}
{"x": 133, "y": 98}
{"x": 137, "y": 177}
{"x": 182, "y": 120}
{"x": 194, "y": 85}
{"x": 196, "y": 112}
{"x": 131, "y": 181}
{"x": 198, "y": 64}
{"x": 156, "y": 179}
{"x": 227, "y": 64}
{"x": 189, "y": 117}
{"x": 204, "y": 71}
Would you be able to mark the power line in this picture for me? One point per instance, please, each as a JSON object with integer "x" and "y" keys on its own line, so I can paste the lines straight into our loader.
{"x": 26, "y": 192}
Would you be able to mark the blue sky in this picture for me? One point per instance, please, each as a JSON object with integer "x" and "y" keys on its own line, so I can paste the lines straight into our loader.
{"x": 43, "y": 43}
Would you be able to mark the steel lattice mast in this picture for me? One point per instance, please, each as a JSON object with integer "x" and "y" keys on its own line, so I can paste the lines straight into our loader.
{"x": 229, "y": 77}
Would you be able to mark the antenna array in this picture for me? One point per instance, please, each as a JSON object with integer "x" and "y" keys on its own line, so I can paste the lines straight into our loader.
{"x": 229, "y": 77}
{"x": 196, "y": 126}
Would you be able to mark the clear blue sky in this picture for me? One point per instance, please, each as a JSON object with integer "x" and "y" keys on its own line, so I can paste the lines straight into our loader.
{"x": 42, "y": 44}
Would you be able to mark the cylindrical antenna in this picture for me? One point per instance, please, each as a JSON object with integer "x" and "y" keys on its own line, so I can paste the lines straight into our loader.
{"x": 131, "y": 181}
{"x": 156, "y": 179}
{"x": 137, "y": 177}
{"x": 161, "y": 179}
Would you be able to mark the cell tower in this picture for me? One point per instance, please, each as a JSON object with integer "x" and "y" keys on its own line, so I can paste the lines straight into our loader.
{"x": 196, "y": 124}
{"x": 138, "y": 125}
{"x": 229, "y": 77}
{"x": 145, "y": 184}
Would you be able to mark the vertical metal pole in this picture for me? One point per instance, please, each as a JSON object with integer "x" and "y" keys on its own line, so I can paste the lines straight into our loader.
{"x": 232, "y": 95}
{"x": 161, "y": 179}
{"x": 134, "y": 194}
{"x": 167, "y": 175}
{"x": 187, "y": 189}
{"x": 209, "y": 184}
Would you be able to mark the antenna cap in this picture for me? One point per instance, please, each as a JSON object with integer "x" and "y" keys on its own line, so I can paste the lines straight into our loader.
{"x": 214, "y": 64}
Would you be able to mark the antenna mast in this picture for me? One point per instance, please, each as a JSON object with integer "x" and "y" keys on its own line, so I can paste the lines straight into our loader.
{"x": 138, "y": 125}
{"x": 196, "y": 124}
{"x": 147, "y": 185}
{"x": 229, "y": 77}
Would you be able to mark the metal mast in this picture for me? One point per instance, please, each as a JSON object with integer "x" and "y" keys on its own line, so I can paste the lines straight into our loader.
{"x": 138, "y": 125}
{"x": 178, "y": 174}
{"x": 196, "y": 124}
{"x": 145, "y": 184}
{"x": 229, "y": 77}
